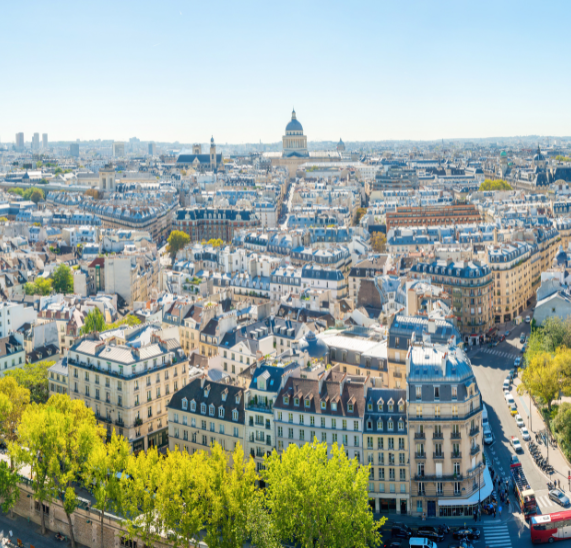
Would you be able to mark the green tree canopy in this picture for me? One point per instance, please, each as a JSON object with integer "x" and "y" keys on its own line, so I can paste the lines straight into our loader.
{"x": 497, "y": 184}
{"x": 36, "y": 196}
{"x": 359, "y": 214}
{"x": 320, "y": 500}
{"x": 177, "y": 241}
{"x": 94, "y": 321}
{"x": 63, "y": 279}
{"x": 40, "y": 286}
{"x": 34, "y": 378}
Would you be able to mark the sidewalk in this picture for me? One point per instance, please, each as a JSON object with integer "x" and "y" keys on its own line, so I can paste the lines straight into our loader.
{"x": 535, "y": 423}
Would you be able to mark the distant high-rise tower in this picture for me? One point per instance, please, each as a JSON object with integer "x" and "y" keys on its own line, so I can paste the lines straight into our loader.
{"x": 19, "y": 141}
{"x": 74, "y": 150}
{"x": 212, "y": 154}
{"x": 44, "y": 140}
{"x": 36, "y": 141}
{"x": 118, "y": 149}
{"x": 152, "y": 149}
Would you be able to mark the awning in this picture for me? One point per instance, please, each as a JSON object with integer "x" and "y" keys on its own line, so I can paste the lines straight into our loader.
{"x": 486, "y": 489}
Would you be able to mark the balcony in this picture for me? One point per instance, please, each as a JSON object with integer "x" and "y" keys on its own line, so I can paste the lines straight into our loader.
{"x": 120, "y": 422}
{"x": 449, "y": 477}
{"x": 420, "y": 455}
{"x": 419, "y": 436}
{"x": 475, "y": 450}
{"x": 437, "y": 455}
{"x": 438, "y": 436}
{"x": 474, "y": 431}
{"x": 456, "y": 454}
{"x": 455, "y": 436}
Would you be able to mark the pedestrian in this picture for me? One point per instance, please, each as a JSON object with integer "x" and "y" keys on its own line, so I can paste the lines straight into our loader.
{"x": 479, "y": 514}
{"x": 500, "y": 511}
{"x": 423, "y": 516}
{"x": 475, "y": 515}
{"x": 494, "y": 512}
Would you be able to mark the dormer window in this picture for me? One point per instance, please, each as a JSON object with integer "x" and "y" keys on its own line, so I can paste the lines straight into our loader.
{"x": 296, "y": 402}
{"x": 369, "y": 424}
{"x": 237, "y": 399}
{"x": 390, "y": 425}
{"x": 401, "y": 425}
{"x": 203, "y": 408}
{"x": 206, "y": 391}
{"x": 224, "y": 395}
{"x": 211, "y": 410}
{"x": 333, "y": 406}
{"x": 234, "y": 414}
{"x": 221, "y": 412}
{"x": 391, "y": 406}
{"x": 401, "y": 407}
{"x": 193, "y": 405}
{"x": 380, "y": 425}
{"x": 184, "y": 403}
{"x": 369, "y": 407}
{"x": 350, "y": 407}
{"x": 306, "y": 402}
{"x": 323, "y": 405}
{"x": 286, "y": 400}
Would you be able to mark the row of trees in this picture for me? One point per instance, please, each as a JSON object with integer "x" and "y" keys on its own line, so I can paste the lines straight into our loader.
{"x": 497, "y": 184}
{"x": 61, "y": 281}
{"x": 34, "y": 194}
{"x": 310, "y": 498}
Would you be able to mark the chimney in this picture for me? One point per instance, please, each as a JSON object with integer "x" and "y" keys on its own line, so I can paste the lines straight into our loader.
{"x": 431, "y": 326}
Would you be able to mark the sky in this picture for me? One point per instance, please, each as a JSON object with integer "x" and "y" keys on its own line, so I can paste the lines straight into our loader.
{"x": 185, "y": 71}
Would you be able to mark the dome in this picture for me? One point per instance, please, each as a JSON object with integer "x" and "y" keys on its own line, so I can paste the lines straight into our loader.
{"x": 315, "y": 347}
{"x": 503, "y": 154}
{"x": 294, "y": 124}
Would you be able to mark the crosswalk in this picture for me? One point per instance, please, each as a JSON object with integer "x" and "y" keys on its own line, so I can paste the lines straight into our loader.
{"x": 546, "y": 505}
{"x": 497, "y": 535}
{"x": 499, "y": 353}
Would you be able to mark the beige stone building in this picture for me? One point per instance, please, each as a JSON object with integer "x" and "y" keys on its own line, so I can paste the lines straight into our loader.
{"x": 128, "y": 387}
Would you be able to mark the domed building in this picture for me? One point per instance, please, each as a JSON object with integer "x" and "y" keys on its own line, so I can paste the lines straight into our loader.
{"x": 314, "y": 347}
{"x": 294, "y": 141}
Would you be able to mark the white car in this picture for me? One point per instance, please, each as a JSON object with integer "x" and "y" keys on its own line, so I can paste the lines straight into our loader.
{"x": 506, "y": 394}
{"x": 488, "y": 436}
{"x": 510, "y": 400}
{"x": 527, "y": 319}
{"x": 516, "y": 445}
{"x": 519, "y": 421}
{"x": 525, "y": 434}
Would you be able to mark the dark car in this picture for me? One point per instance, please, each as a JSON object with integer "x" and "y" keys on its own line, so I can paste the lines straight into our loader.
{"x": 400, "y": 530}
{"x": 502, "y": 338}
{"x": 392, "y": 543}
{"x": 559, "y": 497}
{"x": 429, "y": 532}
{"x": 466, "y": 532}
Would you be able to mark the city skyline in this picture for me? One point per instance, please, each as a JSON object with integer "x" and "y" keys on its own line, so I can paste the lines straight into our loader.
{"x": 380, "y": 72}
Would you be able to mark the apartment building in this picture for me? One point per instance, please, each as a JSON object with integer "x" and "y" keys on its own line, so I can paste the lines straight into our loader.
{"x": 58, "y": 377}
{"x": 437, "y": 215}
{"x": 203, "y": 413}
{"x": 12, "y": 354}
{"x": 13, "y": 316}
{"x": 365, "y": 270}
{"x": 471, "y": 285}
{"x": 132, "y": 278}
{"x": 511, "y": 267}
{"x": 330, "y": 409}
{"x": 128, "y": 384}
{"x": 386, "y": 448}
{"x": 444, "y": 418}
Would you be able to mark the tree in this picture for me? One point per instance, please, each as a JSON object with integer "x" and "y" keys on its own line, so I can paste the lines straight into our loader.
{"x": 316, "y": 500}
{"x": 497, "y": 184}
{"x": 63, "y": 279}
{"x": 232, "y": 490}
{"x": 36, "y": 196}
{"x": 40, "y": 286}
{"x": 3, "y": 220}
{"x": 43, "y": 181}
{"x": 34, "y": 378}
{"x": 77, "y": 436}
{"x": 560, "y": 158}
{"x": 94, "y": 321}
{"x": 129, "y": 320}
{"x": 562, "y": 426}
{"x": 215, "y": 242}
{"x": 9, "y": 487}
{"x": 378, "y": 242}
{"x": 14, "y": 399}
{"x": 541, "y": 378}
{"x": 177, "y": 241}
{"x": 145, "y": 476}
{"x": 39, "y": 164}
{"x": 359, "y": 214}
{"x": 554, "y": 332}
{"x": 38, "y": 442}
{"x": 182, "y": 497}
{"x": 106, "y": 465}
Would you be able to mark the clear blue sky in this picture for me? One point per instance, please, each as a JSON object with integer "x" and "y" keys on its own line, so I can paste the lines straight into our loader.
{"x": 180, "y": 70}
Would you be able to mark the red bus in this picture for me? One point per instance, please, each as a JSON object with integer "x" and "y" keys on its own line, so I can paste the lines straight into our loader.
{"x": 550, "y": 527}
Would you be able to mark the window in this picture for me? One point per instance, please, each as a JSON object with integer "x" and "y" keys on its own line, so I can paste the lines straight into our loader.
{"x": 436, "y": 392}
{"x": 193, "y": 405}
{"x": 184, "y": 403}
{"x": 419, "y": 392}
{"x": 301, "y": 419}
{"x": 221, "y": 412}
{"x": 234, "y": 414}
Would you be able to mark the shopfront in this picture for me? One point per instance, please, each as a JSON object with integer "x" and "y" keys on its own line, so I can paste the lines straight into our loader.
{"x": 464, "y": 507}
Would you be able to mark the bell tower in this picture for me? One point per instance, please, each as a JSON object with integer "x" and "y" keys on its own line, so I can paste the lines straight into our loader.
{"x": 212, "y": 153}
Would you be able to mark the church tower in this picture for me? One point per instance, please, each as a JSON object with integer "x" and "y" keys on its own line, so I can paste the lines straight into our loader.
{"x": 212, "y": 154}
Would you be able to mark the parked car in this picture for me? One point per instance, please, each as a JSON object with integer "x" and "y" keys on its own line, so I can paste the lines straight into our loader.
{"x": 525, "y": 434}
{"x": 513, "y": 373}
{"x": 392, "y": 543}
{"x": 513, "y": 409}
{"x": 522, "y": 338}
{"x": 514, "y": 459}
{"x": 516, "y": 445}
{"x": 510, "y": 400}
{"x": 466, "y": 532}
{"x": 507, "y": 383}
{"x": 488, "y": 436}
{"x": 527, "y": 319}
{"x": 401, "y": 530}
{"x": 517, "y": 362}
{"x": 519, "y": 421}
{"x": 502, "y": 338}
{"x": 507, "y": 333}
{"x": 429, "y": 532}
{"x": 559, "y": 497}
